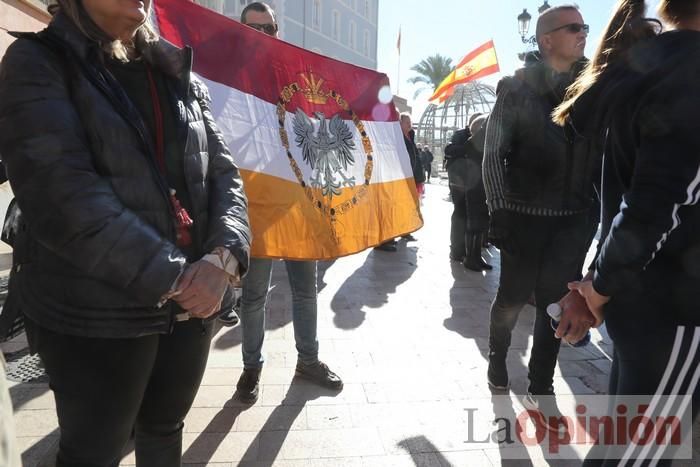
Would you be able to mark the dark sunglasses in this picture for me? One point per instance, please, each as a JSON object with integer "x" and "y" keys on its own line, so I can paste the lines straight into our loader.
{"x": 573, "y": 28}
{"x": 269, "y": 29}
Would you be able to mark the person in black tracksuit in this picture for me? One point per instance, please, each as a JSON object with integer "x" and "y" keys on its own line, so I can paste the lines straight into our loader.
{"x": 646, "y": 280}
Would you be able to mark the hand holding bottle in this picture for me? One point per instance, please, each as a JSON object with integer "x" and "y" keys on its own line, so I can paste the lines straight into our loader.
{"x": 572, "y": 319}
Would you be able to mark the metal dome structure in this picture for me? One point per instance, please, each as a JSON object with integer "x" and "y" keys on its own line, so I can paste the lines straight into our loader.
{"x": 438, "y": 122}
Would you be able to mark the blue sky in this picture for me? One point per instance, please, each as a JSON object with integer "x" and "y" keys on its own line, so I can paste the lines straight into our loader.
{"x": 458, "y": 26}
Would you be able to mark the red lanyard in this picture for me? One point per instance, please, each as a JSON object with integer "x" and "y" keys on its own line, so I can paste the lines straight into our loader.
{"x": 183, "y": 220}
{"x": 158, "y": 116}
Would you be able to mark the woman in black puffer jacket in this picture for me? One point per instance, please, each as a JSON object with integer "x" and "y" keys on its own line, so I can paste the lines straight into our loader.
{"x": 133, "y": 224}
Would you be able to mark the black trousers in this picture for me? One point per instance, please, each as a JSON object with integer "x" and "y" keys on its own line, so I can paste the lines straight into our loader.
{"x": 105, "y": 388}
{"x": 470, "y": 214}
{"x": 548, "y": 256}
{"x": 652, "y": 356}
{"x": 458, "y": 223}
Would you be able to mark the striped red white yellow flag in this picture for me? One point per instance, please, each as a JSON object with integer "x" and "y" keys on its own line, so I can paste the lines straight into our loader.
{"x": 478, "y": 63}
{"x": 318, "y": 141}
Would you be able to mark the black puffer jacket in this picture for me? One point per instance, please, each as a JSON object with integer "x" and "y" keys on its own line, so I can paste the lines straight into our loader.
{"x": 95, "y": 251}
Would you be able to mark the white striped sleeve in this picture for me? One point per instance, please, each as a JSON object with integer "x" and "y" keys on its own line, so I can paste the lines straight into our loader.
{"x": 498, "y": 140}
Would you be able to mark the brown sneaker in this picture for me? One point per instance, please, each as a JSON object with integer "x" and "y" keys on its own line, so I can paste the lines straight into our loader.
{"x": 248, "y": 387}
{"x": 320, "y": 374}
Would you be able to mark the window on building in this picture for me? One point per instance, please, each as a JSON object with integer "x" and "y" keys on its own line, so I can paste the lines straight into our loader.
{"x": 40, "y": 4}
{"x": 316, "y": 15}
{"x": 352, "y": 35}
{"x": 335, "y": 26}
{"x": 367, "y": 8}
{"x": 215, "y": 5}
{"x": 365, "y": 44}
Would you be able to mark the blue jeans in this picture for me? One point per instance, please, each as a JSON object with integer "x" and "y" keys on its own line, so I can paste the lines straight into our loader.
{"x": 256, "y": 284}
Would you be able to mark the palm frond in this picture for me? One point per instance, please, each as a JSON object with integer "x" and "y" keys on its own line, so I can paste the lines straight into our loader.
{"x": 431, "y": 70}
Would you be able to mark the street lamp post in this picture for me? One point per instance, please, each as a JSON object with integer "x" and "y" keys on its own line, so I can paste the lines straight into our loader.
{"x": 524, "y": 19}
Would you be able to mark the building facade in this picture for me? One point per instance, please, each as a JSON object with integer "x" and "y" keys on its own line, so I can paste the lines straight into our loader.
{"x": 21, "y": 15}
{"x": 342, "y": 29}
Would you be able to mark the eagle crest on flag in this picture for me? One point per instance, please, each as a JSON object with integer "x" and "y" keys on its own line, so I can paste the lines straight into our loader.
{"x": 327, "y": 149}
{"x": 265, "y": 95}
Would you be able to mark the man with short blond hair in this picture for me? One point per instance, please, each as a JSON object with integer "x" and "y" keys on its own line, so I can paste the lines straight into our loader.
{"x": 540, "y": 192}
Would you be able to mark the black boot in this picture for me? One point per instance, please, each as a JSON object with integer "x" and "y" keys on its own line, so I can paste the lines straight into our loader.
{"x": 482, "y": 243}
{"x": 474, "y": 260}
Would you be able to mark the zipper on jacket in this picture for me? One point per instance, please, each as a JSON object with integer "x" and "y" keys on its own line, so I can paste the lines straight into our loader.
{"x": 103, "y": 85}
{"x": 184, "y": 136}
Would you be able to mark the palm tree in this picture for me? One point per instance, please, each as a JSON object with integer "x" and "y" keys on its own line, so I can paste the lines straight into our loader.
{"x": 431, "y": 72}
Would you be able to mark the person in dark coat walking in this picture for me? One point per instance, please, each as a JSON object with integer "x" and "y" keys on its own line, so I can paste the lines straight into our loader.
{"x": 469, "y": 222}
{"x": 477, "y": 210}
{"x": 133, "y": 225}
{"x": 427, "y": 158}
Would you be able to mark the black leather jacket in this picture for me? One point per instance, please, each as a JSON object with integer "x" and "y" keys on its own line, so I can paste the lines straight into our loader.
{"x": 547, "y": 168}
{"x": 95, "y": 249}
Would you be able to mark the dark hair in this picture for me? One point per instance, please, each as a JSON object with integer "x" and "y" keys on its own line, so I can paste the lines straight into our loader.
{"x": 672, "y": 11}
{"x": 626, "y": 27}
{"x": 260, "y": 7}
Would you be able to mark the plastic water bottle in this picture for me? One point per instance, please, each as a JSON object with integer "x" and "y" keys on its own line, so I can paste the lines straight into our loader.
{"x": 554, "y": 311}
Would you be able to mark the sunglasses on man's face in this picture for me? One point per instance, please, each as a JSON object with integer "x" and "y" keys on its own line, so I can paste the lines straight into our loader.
{"x": 573, "y": 28}
{"x": 269, "y": 29}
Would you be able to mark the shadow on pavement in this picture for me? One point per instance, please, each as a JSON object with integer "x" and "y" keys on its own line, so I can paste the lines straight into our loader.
{"x": 43, "y": 452}
{"x": 370, "y": 285}
{"x": 470, "y": 319}
{"x": 418, "y": 446}
{"x": 268, "y": 442}
{"x": 205, "y": 445}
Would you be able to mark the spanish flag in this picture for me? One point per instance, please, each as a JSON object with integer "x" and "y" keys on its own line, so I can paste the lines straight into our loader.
{"x": 318, "y": 141}
{"x": 476, "y": 64}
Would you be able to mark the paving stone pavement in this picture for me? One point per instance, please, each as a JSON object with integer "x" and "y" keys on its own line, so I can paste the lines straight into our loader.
{"x": 407, "y": 332}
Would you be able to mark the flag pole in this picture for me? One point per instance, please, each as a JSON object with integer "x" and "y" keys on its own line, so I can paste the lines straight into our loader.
{"x": 398, "y": 78}
{"x": 398, "y": 71}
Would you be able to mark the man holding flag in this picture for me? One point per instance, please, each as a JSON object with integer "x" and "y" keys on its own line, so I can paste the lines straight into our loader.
{"x": 302, "y": 280}
{"x": 321, "y": 155}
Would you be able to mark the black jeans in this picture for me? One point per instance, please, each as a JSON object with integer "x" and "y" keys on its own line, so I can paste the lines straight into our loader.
{"x": 105, "y": 388}
{"x": 458, "y": 223}
{"x": 652, "y": 356}
{"x": 548, "y": 256}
